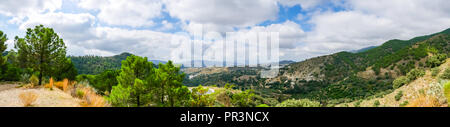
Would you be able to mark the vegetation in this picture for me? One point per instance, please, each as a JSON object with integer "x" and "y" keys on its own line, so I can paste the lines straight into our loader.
{"x": 446, "y": 74}
{"x": 28, "y": 98}
{"x": 299, "y": 103}
{"x": 376, "y": 103}
{"x": 414, "y": 74}
{"x": 93, "y": 65}
{"x": 42, "y": 50}
{"x": 201, "y": 98}
{"x": 399, "y": 95}
{"x": 400, "y": 82}
{"x": 435, "y": 71}
{"x": 447, "y": 91}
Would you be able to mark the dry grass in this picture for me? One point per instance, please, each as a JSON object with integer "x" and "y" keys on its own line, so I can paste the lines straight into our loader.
{"x": 89, "y": 98}
{"x": 424, "y": 101}
{"x": 50, "y": 84}
{"x": 28, "y": 98}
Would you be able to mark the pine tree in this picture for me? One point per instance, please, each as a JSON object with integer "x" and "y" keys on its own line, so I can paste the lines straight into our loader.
{"x": 3, "y": 47}
{"x": 42, "y": 50}
{"x": 134, "y": 71}
{"x": 168, "y": 80}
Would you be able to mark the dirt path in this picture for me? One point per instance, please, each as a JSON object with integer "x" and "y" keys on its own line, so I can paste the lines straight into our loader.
{"x": 4, "y": 87}
{"x": 9, "y": 97}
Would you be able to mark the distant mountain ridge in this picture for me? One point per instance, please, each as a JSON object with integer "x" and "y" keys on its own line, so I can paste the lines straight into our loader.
{"x": 363, "y": 49}
{"x": 98, "y": 64}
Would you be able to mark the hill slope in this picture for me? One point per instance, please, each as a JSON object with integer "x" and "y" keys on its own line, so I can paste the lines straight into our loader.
{"x": 426, "y": 91}
{"x": 98, "y": 64}
{"x": 348, "y": 76}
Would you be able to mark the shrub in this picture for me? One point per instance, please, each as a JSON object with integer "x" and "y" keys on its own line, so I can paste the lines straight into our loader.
{"x": 446, "y": 74}
{"x": 243, "y": 99}
{"x": 399, "y": 95}
{"x": 435, "y": 71}
{"x": 414, "y": 74}
{"x": 25, "y": 78}
{"x": 447, "y": 91}
{"x": 400, "y": 81}
{"x": 358, "y": 103}
{"x": 299, "y": 103}
{"x": 201, "y": 98}
{"x": 436, "y": 60}
{"x": 376, "y": 103}
{"x": 80, "y": 93}
{"x": 404, "y": 103}
{"x": 262, "y": 105}
{"x": 28, "y": 98}
{"x": 34, "y": 80}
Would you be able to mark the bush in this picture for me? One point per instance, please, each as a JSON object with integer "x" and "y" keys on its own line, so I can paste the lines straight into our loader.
{"x": 400, "y": 81}
{"x": 399, "y": 95}
{"x": 435, "y": 71}
{"x": 243, "y": 99}
{"x": 447, "y": 91}
{"x": 376, "y": 103}
{"x": 28, "y": 98}
{"x": 358, "y": 103}
{"x": 299, "y": 103}
{"x": 404, "y": 103}
{"x": 446, "y": 74}
{"x": 80, "y": 93}
{"x": 262, "y": 105}
{"x": 34, "y": 80}
{"x": 25, "y": 78}
{"x": 436, "y": 60}
{"x": 414, "y": 74}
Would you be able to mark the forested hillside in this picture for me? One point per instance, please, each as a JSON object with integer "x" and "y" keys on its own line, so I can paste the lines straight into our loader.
{"x": 348, "y": 76}
{"x": 98, "y": 64}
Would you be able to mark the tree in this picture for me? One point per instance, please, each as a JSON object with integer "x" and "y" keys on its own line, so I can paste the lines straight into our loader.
{"x": 436, "y": 60}
{"x": 134, "y": 71}
{"x": 201, "y": 97}
{"x": 414, "y": 74}
{"x": 3, "y": 47}
{"x": 106, "y": 80}
{"x": 400, "y": 81}
{"x": 120, "y": 96}
{"x": 65, "y": 70}
{"x": 41, "y": 49}
{"x": 168, "y": 79}
{"x": 243, "y": 99}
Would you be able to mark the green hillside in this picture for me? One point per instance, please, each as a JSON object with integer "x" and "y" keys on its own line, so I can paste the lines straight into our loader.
{"x": 344, "y": 73}
{"x": 97, "y": 64}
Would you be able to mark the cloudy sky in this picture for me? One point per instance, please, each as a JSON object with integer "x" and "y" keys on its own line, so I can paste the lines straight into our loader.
{"x": 307, "y": 28}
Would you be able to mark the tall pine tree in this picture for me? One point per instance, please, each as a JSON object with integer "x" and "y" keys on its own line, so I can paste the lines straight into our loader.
{"x": 42, "y": 50}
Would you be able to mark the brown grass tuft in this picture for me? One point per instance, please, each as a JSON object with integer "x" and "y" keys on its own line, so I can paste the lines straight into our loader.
{"x": 424, "y": 101}
{"x": 28, "y": 98}
{"x": 50, "y": 84}
{"x": 90, "y": 98}
{"x": 65, "y": 84}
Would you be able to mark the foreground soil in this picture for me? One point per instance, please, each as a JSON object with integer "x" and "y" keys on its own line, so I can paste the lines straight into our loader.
{"x": 9, "y": 97}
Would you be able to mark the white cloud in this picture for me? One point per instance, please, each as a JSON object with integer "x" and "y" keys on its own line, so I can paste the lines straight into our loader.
{"x": 371, "y": 22}
{"x": 19, "y": 9}
{"x": 305, "y": 4}
{"x": 223, "y": 12}
{"x": 290, "y": 33}
{"x": 134, "y": 13}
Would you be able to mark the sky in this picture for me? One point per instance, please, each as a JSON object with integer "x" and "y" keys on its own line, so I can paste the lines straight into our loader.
{"x": 307, "y": 28}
